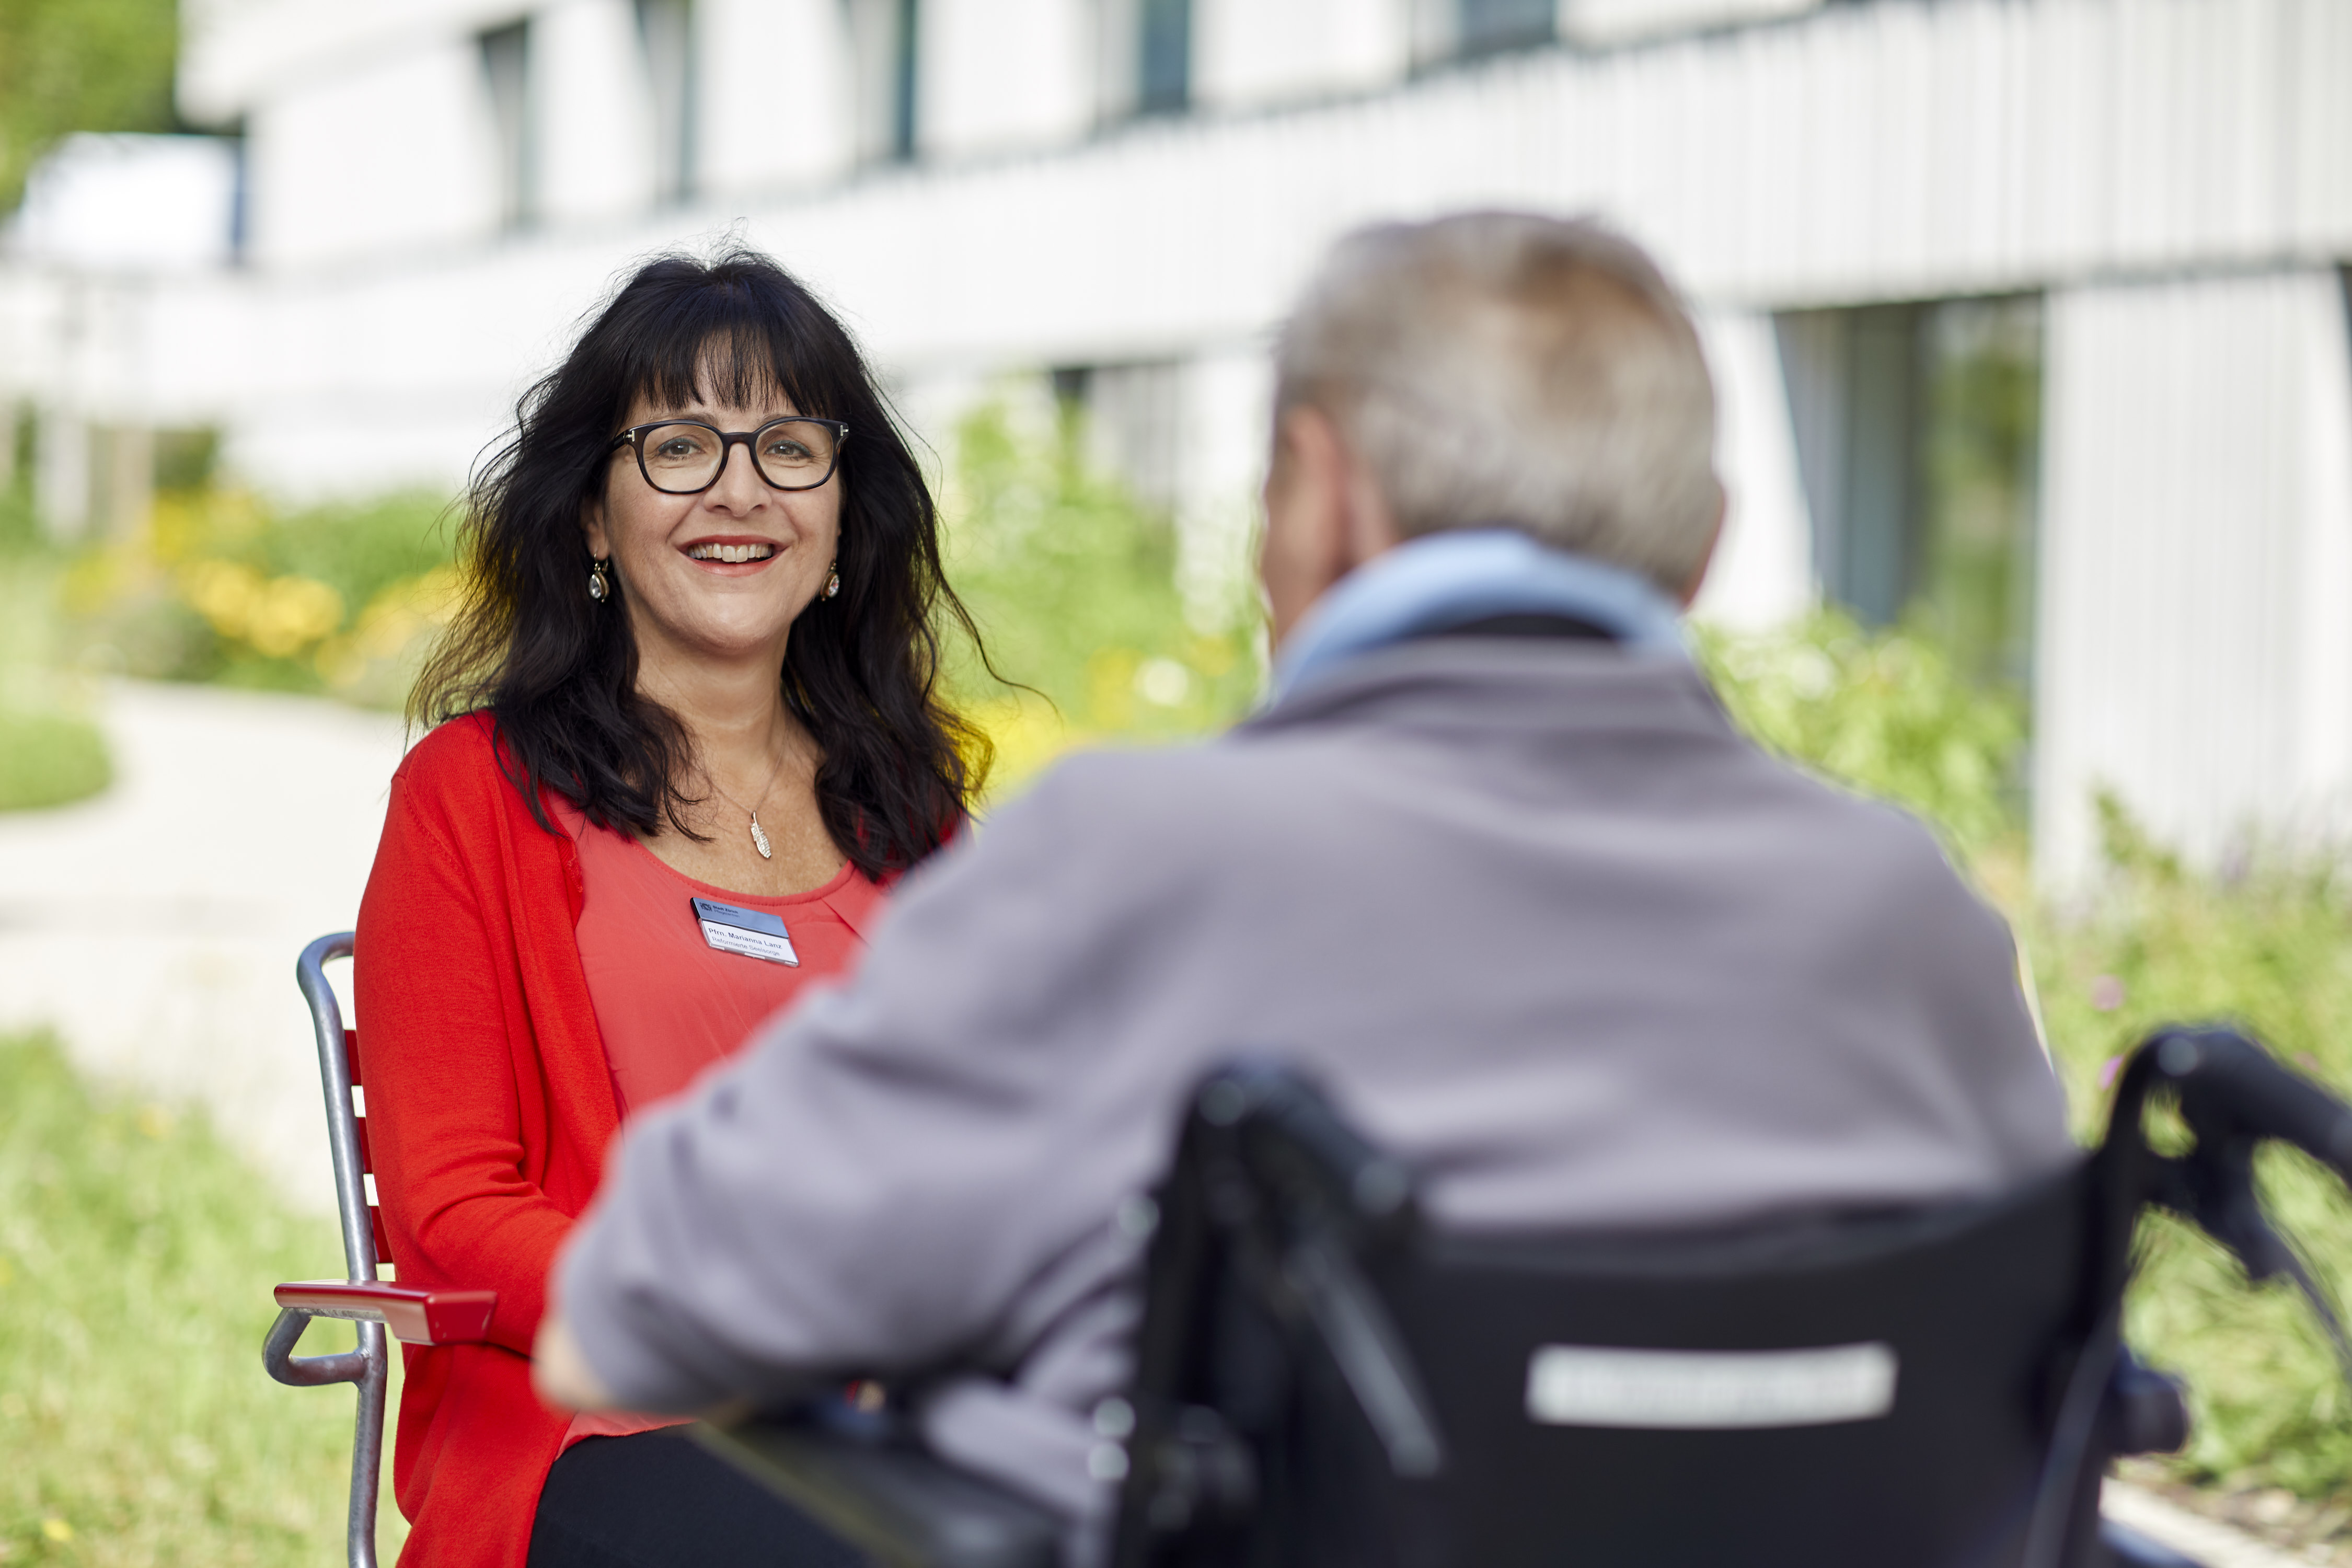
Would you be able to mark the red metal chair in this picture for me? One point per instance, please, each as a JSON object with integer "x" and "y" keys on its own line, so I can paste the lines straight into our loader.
{"x": 415, "y": 1316}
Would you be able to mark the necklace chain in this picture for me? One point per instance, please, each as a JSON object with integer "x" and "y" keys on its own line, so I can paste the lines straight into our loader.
{"x": 759, "y": 833}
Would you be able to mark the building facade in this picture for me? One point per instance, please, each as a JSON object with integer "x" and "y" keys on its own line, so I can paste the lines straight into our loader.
{"x": 2030, "y": 315}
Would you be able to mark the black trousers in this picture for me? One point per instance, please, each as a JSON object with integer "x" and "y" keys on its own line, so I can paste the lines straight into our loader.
{"x": 660, "y": 1499}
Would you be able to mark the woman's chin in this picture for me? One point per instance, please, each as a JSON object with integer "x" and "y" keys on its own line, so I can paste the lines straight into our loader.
{"x": 722, "y": 639}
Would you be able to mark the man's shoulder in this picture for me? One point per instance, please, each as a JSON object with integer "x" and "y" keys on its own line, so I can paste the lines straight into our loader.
{"x": 1144, "y": 796}
{"x": 1274, "y": 794}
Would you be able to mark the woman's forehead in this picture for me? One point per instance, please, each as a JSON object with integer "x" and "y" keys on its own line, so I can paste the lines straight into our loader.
{"x": 726, "y": 373}
{"x": 650, "y": 404}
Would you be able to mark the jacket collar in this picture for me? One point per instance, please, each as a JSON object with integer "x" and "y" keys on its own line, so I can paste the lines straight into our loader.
{"x": 1470, "y": 685}
{"x": 1466, "y": 574}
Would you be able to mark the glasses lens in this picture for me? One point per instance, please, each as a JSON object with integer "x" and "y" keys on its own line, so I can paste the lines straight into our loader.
{"x": 680, "y": 456}
{"x": 796, "y": 454}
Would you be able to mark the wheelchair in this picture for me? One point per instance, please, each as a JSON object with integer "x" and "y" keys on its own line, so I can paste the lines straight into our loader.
{"x": 1323, "y": 1379}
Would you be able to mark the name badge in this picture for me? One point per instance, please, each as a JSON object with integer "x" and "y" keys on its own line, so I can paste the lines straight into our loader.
{"x": 754, "y": 934}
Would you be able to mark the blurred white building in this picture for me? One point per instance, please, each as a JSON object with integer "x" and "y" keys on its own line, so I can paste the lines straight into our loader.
{"x": 2030, "y": 314}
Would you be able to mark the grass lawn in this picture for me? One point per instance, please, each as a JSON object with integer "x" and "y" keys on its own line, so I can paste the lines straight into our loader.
{"x": 136, "y": 1425}
{"x": 49, "y": 759}
{"x": 48, "y": 755}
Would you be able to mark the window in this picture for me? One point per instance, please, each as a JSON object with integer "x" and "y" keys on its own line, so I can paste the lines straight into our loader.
{"x": 1919, "y": 442}
{"x": 886, "y": 37}
{"x": 1125, "y": 422}
{"x": 1163, "y": 70}
{"x": 904, "y": 80}
{"x": 506, "y": 71}
{"x": 240, "y": 201}
{"x": 1490, "y": 27}
{"x": 665, "y": 30}
{"x": 1144, "y": 58}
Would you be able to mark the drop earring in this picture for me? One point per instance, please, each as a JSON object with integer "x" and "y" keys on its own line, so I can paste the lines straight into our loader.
{"x": 599, "y": 587}
{"x": 832, "y": 579}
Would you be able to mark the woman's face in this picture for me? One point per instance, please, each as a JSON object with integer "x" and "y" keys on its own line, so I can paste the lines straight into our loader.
{"x": 682, "y": 597}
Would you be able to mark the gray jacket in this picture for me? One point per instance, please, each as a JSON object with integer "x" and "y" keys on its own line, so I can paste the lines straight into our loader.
{"x": 1545, "y": 924}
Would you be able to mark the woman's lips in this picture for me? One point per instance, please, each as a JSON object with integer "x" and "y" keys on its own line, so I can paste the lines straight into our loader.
{"x": 722, "y": 568}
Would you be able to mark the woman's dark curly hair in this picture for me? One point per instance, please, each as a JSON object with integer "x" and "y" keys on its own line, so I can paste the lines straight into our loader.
{"x": 559, "y": 672}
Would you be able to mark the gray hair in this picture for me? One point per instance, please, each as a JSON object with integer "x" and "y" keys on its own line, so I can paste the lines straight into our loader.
{"x": 1503, "y": 368}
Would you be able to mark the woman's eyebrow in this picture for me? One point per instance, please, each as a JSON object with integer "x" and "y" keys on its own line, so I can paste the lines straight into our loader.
{"x": 708, "y": 414}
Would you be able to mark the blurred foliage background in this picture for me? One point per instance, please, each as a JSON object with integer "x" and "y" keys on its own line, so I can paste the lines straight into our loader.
{"x": 81, "y": 65}
{"x": 2264, "y": 942}
{"x": 1072, "y": 583}
{"x": 51, "y": 752}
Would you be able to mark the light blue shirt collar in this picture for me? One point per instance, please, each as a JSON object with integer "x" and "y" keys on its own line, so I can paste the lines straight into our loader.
{"x": 1468, "y": 574}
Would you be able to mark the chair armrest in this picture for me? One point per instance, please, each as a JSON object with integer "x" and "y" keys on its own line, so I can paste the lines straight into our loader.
{"x": 896, "y": 1503}
{"x": 418, "y": 1316}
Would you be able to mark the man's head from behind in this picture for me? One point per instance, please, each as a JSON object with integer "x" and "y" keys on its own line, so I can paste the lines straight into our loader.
{"x": 1485, "y": 369}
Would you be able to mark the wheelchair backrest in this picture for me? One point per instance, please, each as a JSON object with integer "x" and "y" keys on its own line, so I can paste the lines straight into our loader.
{"x": 1866, "y": 1390}
{"x": 1323, "y": 1379}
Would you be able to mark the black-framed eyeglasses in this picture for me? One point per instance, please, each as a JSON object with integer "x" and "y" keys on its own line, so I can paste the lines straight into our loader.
{"x": 686, "y": 456}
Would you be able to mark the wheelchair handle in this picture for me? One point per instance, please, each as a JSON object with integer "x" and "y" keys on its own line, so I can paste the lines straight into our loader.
{"x": 2227, "y": 1084}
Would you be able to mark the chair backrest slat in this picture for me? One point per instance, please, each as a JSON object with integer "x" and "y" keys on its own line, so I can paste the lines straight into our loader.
{"x": 338, "y": 1069}
{"x": 367, "y": 1157}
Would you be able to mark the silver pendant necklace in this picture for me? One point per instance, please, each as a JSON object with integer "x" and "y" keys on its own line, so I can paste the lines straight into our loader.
{"x": 759, "y": 833}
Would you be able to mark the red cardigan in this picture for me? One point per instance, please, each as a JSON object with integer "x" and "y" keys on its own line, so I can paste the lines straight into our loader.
{"x": 490, "y": 1107}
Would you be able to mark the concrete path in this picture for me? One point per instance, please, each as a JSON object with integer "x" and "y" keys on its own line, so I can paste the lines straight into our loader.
{"x": 156, "y": 927}
{"x": 2208, "y": 1541}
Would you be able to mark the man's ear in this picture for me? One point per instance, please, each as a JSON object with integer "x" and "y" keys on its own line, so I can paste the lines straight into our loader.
{"x": 1689, "y": 595}
{"x": 1305, "y": 550}
{"x": 1372, "y": 527}
{"x": 1313, "y": 468}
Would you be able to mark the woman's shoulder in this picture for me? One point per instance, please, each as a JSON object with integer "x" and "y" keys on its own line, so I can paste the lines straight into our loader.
{"x": 454, "y": 755}
{"x": 462, "y": 771}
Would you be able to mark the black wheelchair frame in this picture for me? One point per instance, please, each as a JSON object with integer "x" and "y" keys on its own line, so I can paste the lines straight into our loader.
{"x": 1324, "y": 1378}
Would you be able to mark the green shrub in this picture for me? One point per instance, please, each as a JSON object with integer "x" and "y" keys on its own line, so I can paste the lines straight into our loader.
{"x": 1073, "y": 584}
{"x": 79, "y": 65}
{"x": 340, "y": 598}
{"x": 136, "y": 1255}
{"x": 49, "y": 759}
{"x": 1887, "y": 713}
{"x": 2269, "y": 948}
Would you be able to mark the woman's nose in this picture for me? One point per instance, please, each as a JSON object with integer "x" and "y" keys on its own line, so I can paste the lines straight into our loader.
{"x": 739, "y": 487}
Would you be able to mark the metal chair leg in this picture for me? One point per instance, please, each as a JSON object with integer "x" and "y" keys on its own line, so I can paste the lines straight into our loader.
{"x": 369, "y": 1366}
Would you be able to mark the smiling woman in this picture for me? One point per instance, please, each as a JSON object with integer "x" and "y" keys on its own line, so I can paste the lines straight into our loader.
{"x": 688, "y": 734}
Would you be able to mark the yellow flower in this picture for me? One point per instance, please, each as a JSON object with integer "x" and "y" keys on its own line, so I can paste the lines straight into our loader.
{"x": 291, "y": 614}
{"x": 1027, "y": 735}
{"x": 57, "y": 1530}
{"x": 225, "y": 593}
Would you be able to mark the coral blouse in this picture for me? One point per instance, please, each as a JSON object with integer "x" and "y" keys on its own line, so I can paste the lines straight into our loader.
{"x": 668, "y": 1003}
